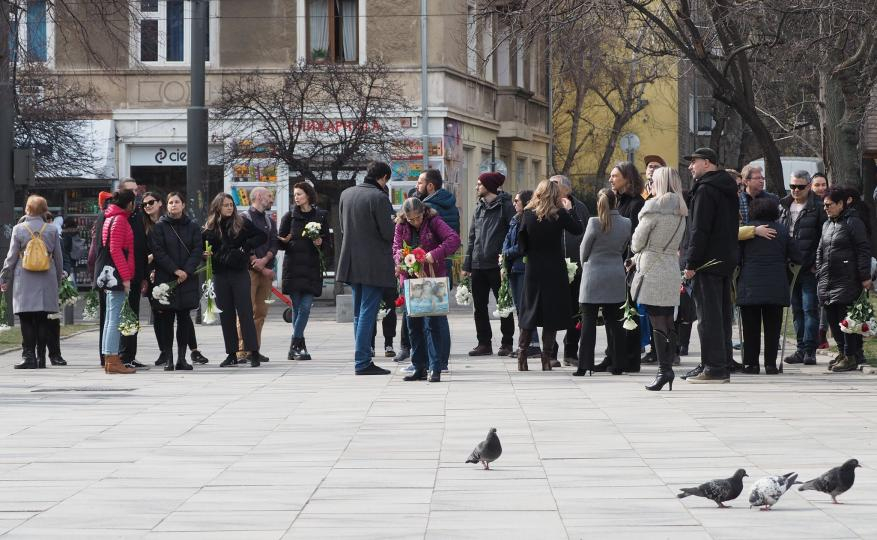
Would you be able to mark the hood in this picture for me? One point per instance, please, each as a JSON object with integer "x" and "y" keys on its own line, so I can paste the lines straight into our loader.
{"x": 500, "y": 199}
{"x": 719, "y": 180}
{"x": 113, "y": 211}
{"x": 182, "y": 220}
{"x": 443, "y": 199}
{"x": 666, "y": 204}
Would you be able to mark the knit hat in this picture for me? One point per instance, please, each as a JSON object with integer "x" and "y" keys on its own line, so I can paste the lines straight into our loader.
{"x": 102, "y": 198}
{"x": 491, "y": 180}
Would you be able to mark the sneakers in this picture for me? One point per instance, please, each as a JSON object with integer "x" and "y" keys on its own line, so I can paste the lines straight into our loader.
{"x": 389, "y": 352}
{"x": 707, "y": 377}
{"x": 694, "y": 372}
{"x": 415, "y": 376}
{"x": 795, "y": 358}
{"x": 482, "y": 350}
{"x": 409, "y": 369}
{"x": 809, "y": 359}
{"x": 230, "y": 361}
{"x": 403, "y": 355}
{"x": 372, "y": 369}
{"x": 198, "y": 358}
{"x": 504, "y": 350}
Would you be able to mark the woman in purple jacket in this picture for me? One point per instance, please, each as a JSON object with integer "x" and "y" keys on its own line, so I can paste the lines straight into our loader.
{"x": 420, "y": 226}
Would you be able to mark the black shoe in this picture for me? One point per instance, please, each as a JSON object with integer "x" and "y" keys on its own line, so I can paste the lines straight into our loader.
{"x": 182, "y": 365}
{"x": 253, "y": 358}
{"x": 795, "y": 358}
{"x": 373, "y": 370}
{"x": 137, "y": 364}
{"x": 416, "y": 376}
{"x": 28, "y": 361}
{"x": 771, "y": 370}
{"x": 481, "y": 350}
{"x": 533, "y": 350}
{"x": 809, "y": 359}
{"x": 435, "y": 376}
{"x": 683, "y": 350}
{"x": 649, "y": 358}
{"x": 260, "y": 357}
{"x": 169, "y": 366}
{"x": 504, "y": 350}
{"x": 41, "y": 362}
{"x": 694, "y": 372}
{"x": 162, "y": 360}
{"x": 662, "y": 378}
{"x": 735, "y": 367}
{"x": 752, "y": 370}
{"x": 402, "y": 355}
{"x": 303, "y": 353}
{"x": 198, "y": 358}
{"x": 230, "y": 361}
{"x": 603, "y": 366}
{"x": 57, "y": 361}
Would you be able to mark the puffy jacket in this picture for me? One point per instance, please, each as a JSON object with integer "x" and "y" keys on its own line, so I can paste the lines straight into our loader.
{"x": 221, "y": 242}
{"x": 177, "y": 245}
{"x": 808, "y": 228}
{"x": 435, "y": 237}
{"x": 843, "y": 259}
{"x": 301, "y": 264}
{"x": 511, "y": 251}
{"x": 121, "y": 240}
{"x": 490, "y": 223}
{"x": 444, "y": 202}
{"x": 763, "y": 277}
{"x": 713, "y": 223}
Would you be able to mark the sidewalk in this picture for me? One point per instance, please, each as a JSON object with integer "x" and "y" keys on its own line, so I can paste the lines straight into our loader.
{"x": 307, "y": 450}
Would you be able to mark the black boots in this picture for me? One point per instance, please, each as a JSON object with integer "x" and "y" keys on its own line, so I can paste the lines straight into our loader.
{"x": 665, "y": 350}
{"x": 523, "y": 346}
{"x": 298, "y": 350}
{"x": 28, "y": 361}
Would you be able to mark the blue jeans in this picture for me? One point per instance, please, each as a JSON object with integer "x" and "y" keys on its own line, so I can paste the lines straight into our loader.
{"x": 442, "y": 334}
{"x": 301, "y": 312}
{"x": 516, "y": 282}
{"x": 112, "y": 336}
{"x": 805, "y": 310}
{"x": 645, "y": 326}
{"x": 427, "y": 341}
{"x": 366, "y": 301}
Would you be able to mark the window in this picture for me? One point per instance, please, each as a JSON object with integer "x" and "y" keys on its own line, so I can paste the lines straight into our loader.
{"x": 487, "y": 47}
{"x": 519, "y": 64}
{"x": 31, "y": 32}
{"x": 332, "y": 30}
{"x": 471, "y": 41}
{"x": 503, "y": 57}
{"x": 163, "y": 31}
{"x": 520, "y": 173}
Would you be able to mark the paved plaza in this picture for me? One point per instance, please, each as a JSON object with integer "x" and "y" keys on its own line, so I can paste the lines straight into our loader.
{"x": 308, "y": 450}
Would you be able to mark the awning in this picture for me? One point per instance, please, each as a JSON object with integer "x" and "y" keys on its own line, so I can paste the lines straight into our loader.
{"x": 102, "y": 135}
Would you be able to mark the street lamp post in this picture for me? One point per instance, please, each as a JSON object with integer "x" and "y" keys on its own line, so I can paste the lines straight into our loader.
{"x": 196, "y": 115}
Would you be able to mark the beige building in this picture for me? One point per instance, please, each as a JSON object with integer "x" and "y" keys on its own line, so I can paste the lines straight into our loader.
{"x": 482, "y": 86}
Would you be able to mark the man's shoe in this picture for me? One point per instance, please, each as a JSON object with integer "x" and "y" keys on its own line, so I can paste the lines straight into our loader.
{"x": 847, "y": 363}
{"x": 809, "y": 359}
{"x": 752, "y": 370}
{"x": 555, "y": 363}
{"x": 649, "y": 358}
{"x": 260, "y": 357}
{"x": 694, "y": 372}
{"x": 735, "y": 367}
{"x": 402, "y": 355}
{"x": 795, "y": 358}
{"x": 57, "y": 361}
{"x": 253, "y": 358}
{"x": 230, "y": 361}
{"x": 28, "y": 362}
{"x": 373, "y": 370}
{"x": 504, "y": 350}
{"x": 162, "y": 360}
{"x": 389, "y": 352}
{"x": 710, "y": 378}
{"x": 198, "y": 358}
{"x": 771, "y": 370}
{"x": 182, "y": 365}
{"x": 567, "y": 361}
{"x": 132, "y": 363}
{"x": 481, "y": 350}
{"x": 835, "y": 360}
{"x": 416, "y": 376}
{"x": 683, "y": 350}
{"x": 409, "y": 369}
{"x": 435, "y": 376}
{"x": 533, "y": 350}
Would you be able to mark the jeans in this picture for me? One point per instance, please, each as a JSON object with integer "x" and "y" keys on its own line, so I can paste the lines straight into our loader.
{"x": 645, "y": 326}
{"x": 516, "y": 282}
{"x": 712, "y": 295}
{"x": 112, "y": 336}
{"x": 805, "y": 310}
{"x": 847, "y": 344}
{"x": 301, "y": 312}
{"x": 753, "y": 317}
{"x": 366, "y": 301}
{"x": 427, "y": 338}
{"x": 443, "y": 339}
{"x": 483, "y": 282}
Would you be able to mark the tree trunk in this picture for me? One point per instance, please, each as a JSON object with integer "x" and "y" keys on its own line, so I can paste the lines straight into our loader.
{"x": 840, "y": 136}
{"x": 611, "y": 143}
{"x": 773, "y": 164}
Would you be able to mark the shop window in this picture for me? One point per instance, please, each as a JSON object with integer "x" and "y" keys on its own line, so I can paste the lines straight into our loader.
{"x": 31, "y": 32}
{"x": 333, "y": 31}
{"x": 163, "y": 31}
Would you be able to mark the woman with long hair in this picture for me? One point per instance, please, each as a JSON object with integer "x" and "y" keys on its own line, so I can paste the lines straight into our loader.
{"x": 514, "y": 262}
{"x": 177, "y": 248}
{"x": 656, "y": 279}
{"x": 418, "y": 225}
{"x": 232, "y": 239}
{"x": 603, "y": 281}
{"x": 302, "y": 264}
{"x": 545, "y": 299}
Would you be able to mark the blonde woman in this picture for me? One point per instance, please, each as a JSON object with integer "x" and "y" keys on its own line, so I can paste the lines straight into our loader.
{"x": 545, "y": 300}
{"x": 656, "y": 281}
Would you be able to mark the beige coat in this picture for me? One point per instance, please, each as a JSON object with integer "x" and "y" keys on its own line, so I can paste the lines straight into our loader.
{"x": 656, "y": 245}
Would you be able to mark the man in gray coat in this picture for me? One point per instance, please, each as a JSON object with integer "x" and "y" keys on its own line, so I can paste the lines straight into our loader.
{"x": 365, "y": 261}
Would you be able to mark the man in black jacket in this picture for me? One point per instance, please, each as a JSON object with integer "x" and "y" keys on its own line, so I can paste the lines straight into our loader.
{"x": 128, "y": 344}
{"x": 712, "y": 239}
{"x": 802, "y": 213}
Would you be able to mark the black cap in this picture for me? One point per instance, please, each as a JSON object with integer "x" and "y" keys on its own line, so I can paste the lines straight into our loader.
{"x": 703, "y": 153}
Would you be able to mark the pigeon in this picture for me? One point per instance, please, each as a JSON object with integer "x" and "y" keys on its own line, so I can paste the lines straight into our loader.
{"x": 718, "y": 491}
{"x": 487, "y": 450}
{"x": 836, "y": 481}
{"x": 768, "y": 490}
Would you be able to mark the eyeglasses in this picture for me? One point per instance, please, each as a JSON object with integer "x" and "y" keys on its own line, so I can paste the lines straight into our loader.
{"x": 147, "y": 204}
{"x": 798, "y": 186}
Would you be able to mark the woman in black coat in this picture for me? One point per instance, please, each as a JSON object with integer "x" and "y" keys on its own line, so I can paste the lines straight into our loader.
{"x": 302, "y": 270}
{"x": 763, "y": 286}
{"x": 545, "y": 300}
{"x": 176, "y": 249}
{"x": 843, "y": 269}
{"x": 232, "y": 240}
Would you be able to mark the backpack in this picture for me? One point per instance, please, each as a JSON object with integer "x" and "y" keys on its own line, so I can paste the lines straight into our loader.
{"x": 106, "y": 275}
{"x": 36, "y": 254}
{"x": 78, "y": 248}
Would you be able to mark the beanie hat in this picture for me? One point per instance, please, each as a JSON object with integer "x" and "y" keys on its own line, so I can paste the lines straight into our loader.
{"x": 491, "y": 180}
{"x": 102, "y": 198}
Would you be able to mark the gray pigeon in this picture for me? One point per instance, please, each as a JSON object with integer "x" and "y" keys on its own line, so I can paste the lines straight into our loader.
{"x": 836, "y": 481}
{"x": 768, "y": 490}
{"x": 718, "y": 491}
{"x": 487, "y": 450}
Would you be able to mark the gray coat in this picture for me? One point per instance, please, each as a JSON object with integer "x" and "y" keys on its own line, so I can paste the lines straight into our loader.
{"x": 656, "y": 244}
{"x": 33, "y": 291}
{"x": 366, "y": 255}
{"x": 602, "y": 256}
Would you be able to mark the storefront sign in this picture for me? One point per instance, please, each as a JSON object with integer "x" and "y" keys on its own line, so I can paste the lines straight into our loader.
{"x": 168, "y": 156}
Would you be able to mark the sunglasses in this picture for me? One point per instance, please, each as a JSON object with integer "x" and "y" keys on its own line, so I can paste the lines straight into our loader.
{"x": 798, "y": 186}
{"x": 147, "y": 204}
{"x": 826, "y": 204}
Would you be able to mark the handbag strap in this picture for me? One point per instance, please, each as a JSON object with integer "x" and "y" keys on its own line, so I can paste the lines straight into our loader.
{"x": 188, "y": 252}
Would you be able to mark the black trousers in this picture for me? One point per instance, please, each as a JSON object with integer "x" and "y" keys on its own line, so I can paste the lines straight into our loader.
{"x": 52, "y": 341}
{"x": 483, "y": 282}
{"x": 102, "y": 300}
{"x": 848, "y": 344}
{"x": 712, "y": 296}
{"x": 164, "y": 322}
{"x": 233, "y": 299}
{"x": 588, "y": 338}
{"x": 571, "y": 339}
{"x": 33, "y": 331}
{"x": 128, "y": 344}
{"x": 753, "y": 317}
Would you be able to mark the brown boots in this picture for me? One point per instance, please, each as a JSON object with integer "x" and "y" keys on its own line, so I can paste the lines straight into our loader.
{"x": 523, "y": 344}
{"x": 113, "y": 364}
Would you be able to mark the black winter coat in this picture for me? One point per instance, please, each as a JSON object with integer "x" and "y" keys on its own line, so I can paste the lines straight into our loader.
{"x": 713, "y": 223}
{"x": 141, "y": 248}
{"x": 843, "y": 259}
{"x": 301, "y": 262}
{"x": 490, "y": 223}
{"x": 177, "y": 245}
{"x": 629, "y": 206}
{"x": 763, "y": 279}
{"x": 808, "y": 228}
{"x": 222, "y": 242}
{"x": 545, "y": 301}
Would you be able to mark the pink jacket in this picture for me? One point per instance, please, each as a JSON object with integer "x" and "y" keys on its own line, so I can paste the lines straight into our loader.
{"x": 436, "y": 237}
{"x": 121, "y": 240}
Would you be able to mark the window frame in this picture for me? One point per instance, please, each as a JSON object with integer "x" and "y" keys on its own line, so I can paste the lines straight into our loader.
{"x": 161, "y": 17}
{"x": 331, "y": 16}
{"x": 22, "y": 37}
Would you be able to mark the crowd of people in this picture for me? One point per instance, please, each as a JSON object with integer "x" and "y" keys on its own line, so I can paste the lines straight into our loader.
{"x": 653, "y": 260}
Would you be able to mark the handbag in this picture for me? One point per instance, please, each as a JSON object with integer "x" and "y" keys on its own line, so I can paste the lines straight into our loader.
{"x": 106, "y": 275}
{"x": 427, "y": 296}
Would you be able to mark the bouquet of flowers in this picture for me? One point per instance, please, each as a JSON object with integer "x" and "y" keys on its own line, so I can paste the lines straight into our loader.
{"x": 129, "y": 322}
{"x": 91, "y": 311}
{"x": 860, "y": 318}
{"x": 412, "y": 259}
{"x": 67, "y": 293}
{"x": 163, "y": 291}
{"x": 504, "y": 304}
{"x": 464, "y": 292}
{"x": 3, "y": 325}
{"x": 571, "y": 269}
{"x": 629, "y": 315}
{"x": 208, "y": 293}
{"x": 312, "y": 231}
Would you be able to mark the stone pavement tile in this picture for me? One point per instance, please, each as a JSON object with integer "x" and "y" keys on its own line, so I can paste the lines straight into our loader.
{"x": 392, "y": 478}
{"x": 247, "y": 498}
{"x": 652, "y": 532}
{"x": 495, "y": 524}
{"x": 354, "y": 533}
{"x": 228, "y": 518}
{"x": 214, "y": 535}
{"x": 475, "y": 499}
{"x": 266, "y": 473}
{"x": 27, "y": 532}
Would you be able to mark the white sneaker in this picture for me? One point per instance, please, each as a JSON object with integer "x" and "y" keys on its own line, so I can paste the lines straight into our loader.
{"x": 408, "y": 369}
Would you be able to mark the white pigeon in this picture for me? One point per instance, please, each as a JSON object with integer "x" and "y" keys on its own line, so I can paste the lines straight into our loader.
{"x": 768, "y": 490}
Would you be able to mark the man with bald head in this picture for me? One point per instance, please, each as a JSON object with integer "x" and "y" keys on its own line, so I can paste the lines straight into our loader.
{"x": 261, "y": 261}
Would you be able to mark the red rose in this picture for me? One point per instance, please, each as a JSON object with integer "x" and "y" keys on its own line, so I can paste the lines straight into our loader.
{"x": 865, "y": 327}
{"x": 579, "y": 325}
{"x": 400, "y": 301}
{"x": 845, "y": 324}
{"x": 419, "y": 254}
